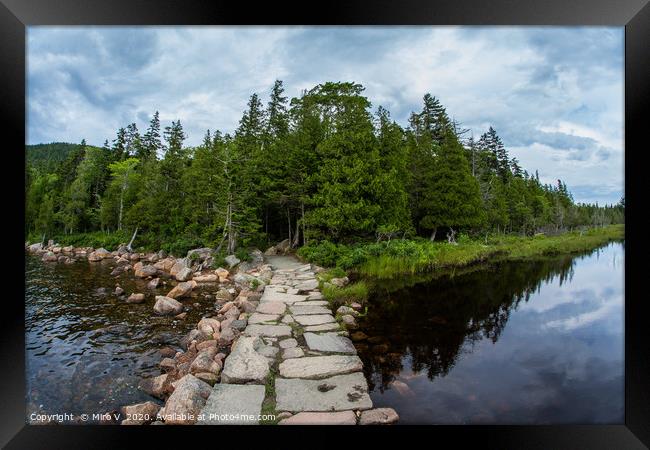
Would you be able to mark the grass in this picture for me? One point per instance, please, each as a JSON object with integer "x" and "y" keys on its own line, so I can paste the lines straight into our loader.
{"x": 396, "y": 258}
{"x": 334, "y": 295}
{"x": 268, "y": 405}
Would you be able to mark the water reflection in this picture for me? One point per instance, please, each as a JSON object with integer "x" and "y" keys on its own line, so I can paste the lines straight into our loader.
{"x": 519, "y": 342}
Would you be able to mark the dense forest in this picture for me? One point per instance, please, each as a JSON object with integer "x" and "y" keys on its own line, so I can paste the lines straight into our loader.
{"x": 321, "y": 167}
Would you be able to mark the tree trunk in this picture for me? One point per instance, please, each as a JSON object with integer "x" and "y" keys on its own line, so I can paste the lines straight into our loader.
{"x": 289, "y": 220}
{"x": 304, "y": 235}
{"x": 296, "y": 236}
{"x": 433, "y": 235}
{"x": 119, "y": 220}
{"x": 128, "y": 247}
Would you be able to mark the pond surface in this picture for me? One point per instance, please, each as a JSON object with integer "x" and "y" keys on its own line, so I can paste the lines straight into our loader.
{"x": 87, "y": 350}
{"x": 532, "y": 342}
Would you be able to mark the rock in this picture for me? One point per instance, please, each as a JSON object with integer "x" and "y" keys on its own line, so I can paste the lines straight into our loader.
{"x": 349, "y": 321}
{"x": 187, "y": 400}
{"x": 165, "y": 264}
{"x": 346, "y": 310}
{"x": 199, "y": 254}
{"x": 98, "y": 255}
{"x": 50, "y": 257}
{"x": 224, "y": 294}
{"x": 184, "y": 274}
{"x": 145, "y": 271}
{"x": 167, "y": 306}
{"x": 338, "y": 393}
{"x": 283, "y": 415}
{"x": 226, "y": 337}
{"x": 244, "y": 305}
{"x": 167, "y": 352}
{"x": 307, "y": 286}
{"x": 359, "y": 336}
{"x": 295, "y": 352}
{"x": 233, "y": 313}
{"x": 245, "y": 365}
{"x": 181, "y": 315}
{"x": 284, "y": 246}
{"x": 135, "y": 298}
{"x": 239, "y": 324}
{"x": 245, "y": 279}
{"x": 340, "y": 282}
{"x": 155, "y": 386}
{"x": 316, "y": 296}
{"x": 268, "y": 351}
{"x": 117, "y": 271}
{"x": 379, "y": 416}
{"x": 118, "y": 290}
{"x": 232, "y": 261}
{"x": 206, "y": 344}
{"x": 288, "y": 319}
{"x": 288, "y": 343}
{"x": 178, "y": 265}
{"x": 275, "y": 296}
{"x": 167, "y": 364}
{"x": 261, "y": 318}
{"x": 208, "y": 377}
{"x": 210, "y": 278}
{"x": 153, "y": 284}
{"x": 140, "y": 414}
{"x": 209, "y": 325}
{"x": 235, "y": 402}
{"x": 222, "y": 274}
{"x": 356, "y": 306}
{"x": 320, "y": 366}
{"x": 317, "y": 319}
{"x": 182, "y": 289}
{"x": 329, "y": 342}
{"x": 271, "y": 308}
{"x": 321, "y": 418}
{"x": 134, "y": 257}
{"x": 402, "y": 388}
{"x": 204, "y": 362}
{"x": 194, "y": 335}
{"x": 271, "y": 251}
{"x": 268, "y": 330}
{"x": 299, "y": 310}
{"x": 35, "y": 247}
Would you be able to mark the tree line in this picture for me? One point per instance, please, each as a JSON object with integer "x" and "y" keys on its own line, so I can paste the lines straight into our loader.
{"x": 320, "y": 166}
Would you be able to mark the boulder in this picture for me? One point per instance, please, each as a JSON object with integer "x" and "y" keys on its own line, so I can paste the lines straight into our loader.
{"x": 209, "y": 278}
{"x": 284, "y": 246}
{"x": 186, "y": 401}
{"x": 194, "y": 335}
{"x": 222, "y": 274}
{"x": 179, "y": 264}
{"x": 167, "y": 364}
{"x": 165, "y": 264}
{"x": 118, "y": 290}
{"x": 209, "y": 326}
{"x": 223, "y": 294}
{"x": 205, "y": 362}
{"x": 232, "y": 261}
{"x": 155, "y": 386}
{"x": 135, "y": 298}
{"x": 153, "y": 284}
{"x": 49, "y": 257}
{"x": 346, "y": 310}
{"x": 182, "y": 289}
{"x": 140, "y": 414}
{"x": 35, "y": 247}
{"x": 167, "y": 306}
{"x": 184, "y": 274}
{"x": 199, "y": 254}
{"x": 98, "y": 255}
{"x": 271, "y": 251}
{"x": 142, "y": 271}
{"x": 340, "y": 282}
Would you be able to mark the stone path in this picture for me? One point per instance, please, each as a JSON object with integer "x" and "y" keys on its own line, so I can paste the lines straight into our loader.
{"x": 293, "y": 351}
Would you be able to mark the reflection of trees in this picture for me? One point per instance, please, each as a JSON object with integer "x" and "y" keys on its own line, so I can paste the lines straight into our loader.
{"x": 431, "y": 323}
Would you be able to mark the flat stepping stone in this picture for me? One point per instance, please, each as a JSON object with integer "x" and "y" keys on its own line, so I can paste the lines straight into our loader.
{"x": 271, "y": 308}
{"x": 329, "y": 342}
{"x": 268, "y": 330}
{"x": 338, "y": 393}
{"x": 317, "y": 319}
{"x": 288, "y": 319}
{"x": 294, "y": 352}
{"x": 320, "y": 366}
{"x": 288, "y": 343}
{"x": 321, "y": 418}
{"x": 269, "y": 351}
{"x": 244, "y": 364}
{"x": 314, "y": 303}
{"x": 273, "y": 296}
{"x": 261, "y": 318}
{"x": 325, "y": 327}
{"x": 235, "y": 402}
{"x": 308, "y": 285}
{"x": 299, "y": 310}
{"x": 315, "y": 296}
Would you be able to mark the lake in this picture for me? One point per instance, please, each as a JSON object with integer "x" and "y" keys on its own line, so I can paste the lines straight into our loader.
{"x": 530, "y": 342}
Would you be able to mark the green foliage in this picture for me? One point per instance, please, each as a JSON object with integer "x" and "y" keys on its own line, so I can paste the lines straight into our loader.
{"x": 98, "y": 239}
{"x": 354, "y": 292}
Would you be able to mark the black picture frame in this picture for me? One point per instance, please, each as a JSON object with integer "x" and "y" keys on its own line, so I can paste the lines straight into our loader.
{"x": 634, "y": 15}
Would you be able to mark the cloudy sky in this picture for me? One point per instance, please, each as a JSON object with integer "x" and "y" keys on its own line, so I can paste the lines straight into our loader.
{"x": 554, "y": 95}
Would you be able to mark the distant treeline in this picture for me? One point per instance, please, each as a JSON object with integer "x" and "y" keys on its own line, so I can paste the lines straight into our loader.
{"x": 318, "y": 167}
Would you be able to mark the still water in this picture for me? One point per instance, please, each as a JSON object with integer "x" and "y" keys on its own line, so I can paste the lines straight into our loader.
{"x": 86, "y": 349}
{"x": 533, "y": 342}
